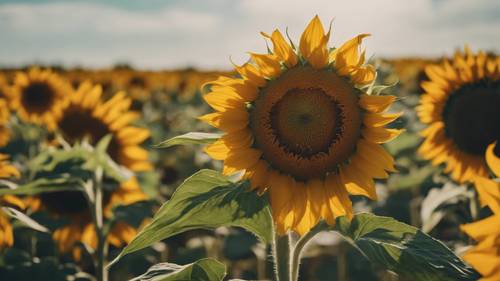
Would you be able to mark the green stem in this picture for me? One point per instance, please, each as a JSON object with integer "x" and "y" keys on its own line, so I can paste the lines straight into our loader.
{"x": 281, "y": 253}
{"x": 95, "y": 197}
{"x": 297, "y": 251}
{"x": 474, "y": 206}
{"x": 102, "y": 272}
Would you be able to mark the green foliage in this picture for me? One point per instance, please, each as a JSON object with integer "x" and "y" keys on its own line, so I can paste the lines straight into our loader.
{"x": 81, "y": 161}
{"x": 441, "y": 201}
{"x": 190, "y": 138}
{"x": 206, "y": 200}
{"x": 67, "y": 169}
{"x": 201, "y": 270}
{"x": 24, "y": 219}
{"x": 403, "y": 249}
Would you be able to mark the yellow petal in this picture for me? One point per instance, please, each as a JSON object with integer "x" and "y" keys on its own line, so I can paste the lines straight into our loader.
{"x": 282, "y": 49}
{"x": 228, "y": 121}
{"x": 489, "y": 193}
{"x": 338, "y": 198}
{"x": 252, "y": 74}
{"x": 240, "y": 160}
{"x": 492, "y": 160}
{"x": 132, "y": 135}
{"x": 268, "y": 64}
{"x": 376, "y": 104}
{"x": 379, "y": 119}
{"x": 347, "y": 57}
{"x": 356, "y": 183}
{"x": 380, "y": 134}
{"x": 220, "y": 149}
{"x": 374, "y": 151}
{"x": 224, "y": 101}
{"x": 313, "y": 44}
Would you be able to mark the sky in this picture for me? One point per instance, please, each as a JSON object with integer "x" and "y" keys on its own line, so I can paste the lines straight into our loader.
{"x": 208, "y": 34}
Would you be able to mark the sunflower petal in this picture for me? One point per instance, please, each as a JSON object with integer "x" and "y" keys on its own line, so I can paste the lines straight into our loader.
{"x": 282, "y": 49}
{"x": 313, "y": 44}
{"x": 492, "y": 160}
{"x": 376, "y": 104}
{"x": 268, "y": 64}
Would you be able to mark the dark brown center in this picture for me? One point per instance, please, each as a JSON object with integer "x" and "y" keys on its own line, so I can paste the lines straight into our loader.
{"x": 306, "y": 122}
{"x": 472, "y": 116}
{"x": 37, "y": 97}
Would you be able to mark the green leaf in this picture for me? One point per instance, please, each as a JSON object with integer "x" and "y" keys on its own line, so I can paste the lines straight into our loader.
{"x": 201, "y": 270}
{"x": 404, "y": 249}
{"x": 190, "y": 138}
{"x": 80, "y": 161}
{"x": 29, "y": 222}
{"x": 441, "y": 201}
{"x": 206, "y": 200}
{"x": 42, "y": 185}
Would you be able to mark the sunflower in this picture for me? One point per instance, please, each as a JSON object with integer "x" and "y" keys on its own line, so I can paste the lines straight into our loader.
{"x": 485, "y": 256}
{"x": 460, "y": 106}
{"x": 6, "y": 235}
{"x": 39, "y": 96}
{"x": 88, "y": 117}
{"x": 4, "y": 87}
{"x": 4, "y": 120}
{"x": 300, "y": 127}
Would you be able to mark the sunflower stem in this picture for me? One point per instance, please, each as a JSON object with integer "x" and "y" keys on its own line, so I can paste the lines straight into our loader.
{"x": 281, "y": 253}
{"x": 299, "y": 247}
{"x": 101, "y": 252}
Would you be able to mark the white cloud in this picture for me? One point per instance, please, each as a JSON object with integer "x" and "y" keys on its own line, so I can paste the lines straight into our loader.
{"x": 179, "y": 35}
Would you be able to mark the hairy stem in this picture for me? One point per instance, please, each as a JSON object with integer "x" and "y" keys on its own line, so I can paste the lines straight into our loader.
{"x": 299, "y": 247}
{"x": 281, "y": 253}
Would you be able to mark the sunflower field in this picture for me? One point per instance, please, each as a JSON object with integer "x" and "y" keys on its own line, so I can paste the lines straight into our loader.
{"x": 308, "y": 162}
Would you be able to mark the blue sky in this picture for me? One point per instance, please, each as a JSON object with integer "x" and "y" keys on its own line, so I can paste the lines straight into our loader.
{"x": 206, "y": 33}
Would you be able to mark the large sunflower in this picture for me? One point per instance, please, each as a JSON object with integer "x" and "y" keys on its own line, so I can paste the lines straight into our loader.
{"x": 460, "y": 106}
{"x": 88, "y": 117}
{"x": 485, "y": 256}
{"x": 39, "y": 96}
{"x": 299, "y": 126}
{"x": 6, "y": 235}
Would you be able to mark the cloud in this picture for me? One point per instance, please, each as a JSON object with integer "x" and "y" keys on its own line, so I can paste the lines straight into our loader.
{"x": 206, "y": 34}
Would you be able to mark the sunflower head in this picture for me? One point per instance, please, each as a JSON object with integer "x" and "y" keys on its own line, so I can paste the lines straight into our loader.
{"x": 460, "y": 106}
{"x": 39, "y": 96}
{"x": 88, "y": 116}
{"x": 299, "y": 125}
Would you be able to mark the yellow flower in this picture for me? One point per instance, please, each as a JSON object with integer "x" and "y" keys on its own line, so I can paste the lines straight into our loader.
{"x": 39, "y": 96}
{"x": 88, "y": 117}
{"x": 4, "y": 120}
{"x": 4, "y": 87}
{"x": 6, "y": 235}
{"x": 485, "y": 256}
{"x": 300, "y": 128}
{"x": 460, "y": 106}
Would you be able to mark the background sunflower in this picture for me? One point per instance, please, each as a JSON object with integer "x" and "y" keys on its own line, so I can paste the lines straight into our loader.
{"x": 88, "y": 117}
{"x": 460, "y": 106}
{"x": 39, "y": 96}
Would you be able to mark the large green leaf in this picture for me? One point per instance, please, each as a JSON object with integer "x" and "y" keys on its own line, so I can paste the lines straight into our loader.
{"x": 404, "y": 249}
{"x": 201, "y": 270}
{"x": 190, "y": 138}
{"x": 208, "y": 200}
